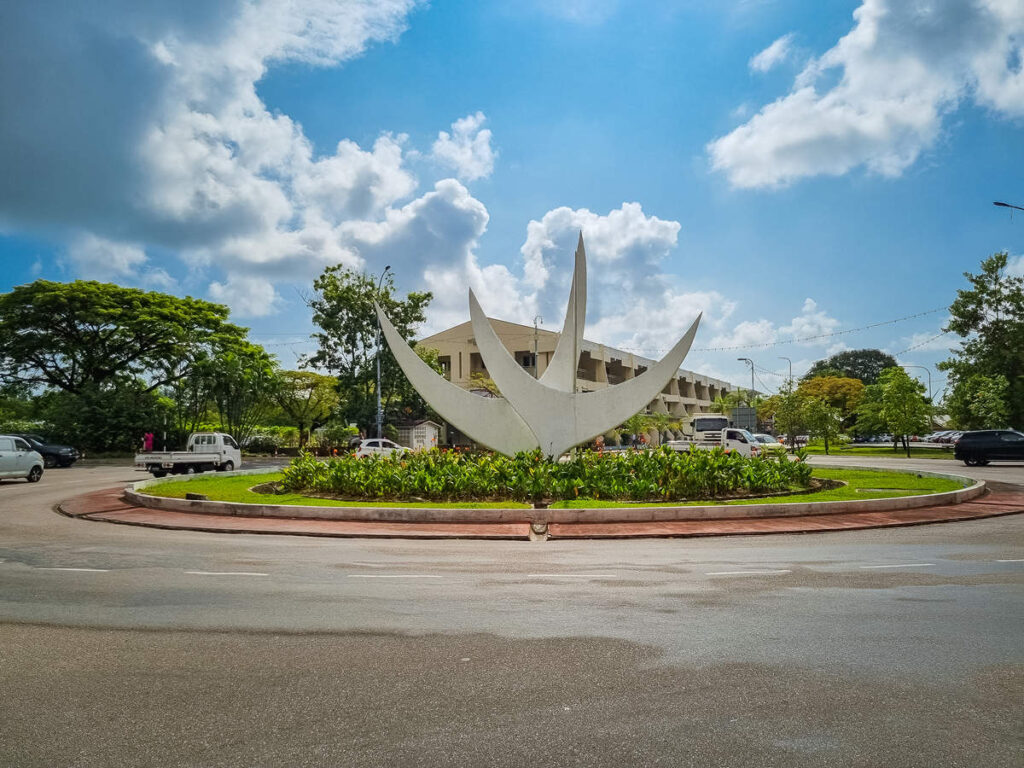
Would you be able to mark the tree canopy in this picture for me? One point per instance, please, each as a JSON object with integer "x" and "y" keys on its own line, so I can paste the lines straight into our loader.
{"x": 989, "y": 317}
{"x": 842, "y": 393}
{"x": 343, "y": 310}
{"x": 70, "y": 336}
{"x": 863, "y": 364}
{"x": 306, "y": 398}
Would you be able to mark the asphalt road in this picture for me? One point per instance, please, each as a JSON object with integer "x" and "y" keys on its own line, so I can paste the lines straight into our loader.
{"x": 130, "y": 646}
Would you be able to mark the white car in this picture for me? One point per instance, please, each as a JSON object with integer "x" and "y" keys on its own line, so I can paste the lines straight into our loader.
{"x": 18, "y": 459}
{"x": 379, "y": 446}
{"x": 768, "y": 441}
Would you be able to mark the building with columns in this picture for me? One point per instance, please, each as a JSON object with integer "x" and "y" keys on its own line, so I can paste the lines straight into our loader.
{"x": 600, "y": 366}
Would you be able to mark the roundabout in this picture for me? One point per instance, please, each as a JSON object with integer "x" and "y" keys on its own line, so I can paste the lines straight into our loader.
{"x": 208, "y": 504}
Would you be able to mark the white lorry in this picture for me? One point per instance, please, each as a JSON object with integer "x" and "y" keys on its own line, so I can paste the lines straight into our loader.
{"x": 206, "y": 451}
{"x": 731, "y": 439}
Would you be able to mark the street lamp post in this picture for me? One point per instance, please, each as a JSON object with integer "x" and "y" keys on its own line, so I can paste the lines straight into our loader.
{"x": 926, "y": 370}
{"x": 380, "y": 412}
{"x": 748, "y": 360}
{"x": 790, "y": 369}
{"x": 1007, "y": 205}
{"x": 536, "y": 332}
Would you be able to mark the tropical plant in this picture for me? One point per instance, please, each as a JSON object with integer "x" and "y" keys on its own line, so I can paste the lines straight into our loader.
{"x": 659, "y": 475}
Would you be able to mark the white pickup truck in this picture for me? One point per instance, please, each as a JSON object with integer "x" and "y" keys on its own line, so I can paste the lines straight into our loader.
{"x": 731, "y": 439}
{"x": 206, "y": 451}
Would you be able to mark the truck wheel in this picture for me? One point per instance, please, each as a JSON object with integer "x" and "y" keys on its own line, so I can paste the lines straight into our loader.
{"x": 159, "y": 473}
{"x": 34, "y": 474}
{"x": 227, "y": 466}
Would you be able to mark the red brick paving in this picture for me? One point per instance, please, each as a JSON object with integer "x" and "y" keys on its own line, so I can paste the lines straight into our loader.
{"x": 109, "y": 506}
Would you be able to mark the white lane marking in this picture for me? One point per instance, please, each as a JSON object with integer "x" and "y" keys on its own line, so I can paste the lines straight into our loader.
{"x": 899, "y": 565}
{"x": 571, "y": 576}
{"x": 83, "y": 570}
{"x": 226, "y": 573}
{"x": 748, "y": 573}
{"x": 392, "y": 576}
{"x": 998, "y": 561}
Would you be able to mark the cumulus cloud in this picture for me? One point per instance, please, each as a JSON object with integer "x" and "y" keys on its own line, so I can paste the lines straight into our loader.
{"x": 774, "y": 54}
{"x": 97, "y": 258}
{"x": 811, "y": 322}
{"x": 1015, "y": 266}
{"x": 248, "y": 296}
{"x": 467, "y": 149}
{"x": 900, "y": 70}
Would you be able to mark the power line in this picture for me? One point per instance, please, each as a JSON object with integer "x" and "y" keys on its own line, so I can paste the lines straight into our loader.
{"x": 798, "y": 340}
{"x": 921, "y": 344}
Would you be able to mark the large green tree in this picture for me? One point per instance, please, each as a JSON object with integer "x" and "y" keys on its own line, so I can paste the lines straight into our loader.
{"x": 84, "y": 335}
{"x": 243, "y": 381}
{"x": 979, "y": 402}
{"x": 905, "y": 410}
{"x": 989, "y": 317}
{"x": 823, "y": 420}
{"x": 343, "y": 310}
{"x": 863, "y": 364}
{"x": 308, "y": 398}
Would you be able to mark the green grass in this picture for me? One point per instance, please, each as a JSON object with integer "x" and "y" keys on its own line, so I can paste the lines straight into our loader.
{"x": 883, "y": 450}
{"x": 237, "y": 489}
{"x": 860, "y": 484}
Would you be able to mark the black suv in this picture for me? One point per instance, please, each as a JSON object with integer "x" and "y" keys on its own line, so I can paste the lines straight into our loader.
{"x": 976, "y": 449}
{"x": 53, "y": 455}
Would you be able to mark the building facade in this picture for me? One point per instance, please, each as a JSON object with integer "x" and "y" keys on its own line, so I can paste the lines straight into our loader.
{"x": 600, "y": 366}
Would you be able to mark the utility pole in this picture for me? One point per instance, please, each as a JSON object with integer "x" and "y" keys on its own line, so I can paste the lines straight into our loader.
{"x": 536, "y": 333}
{"x": 380, "y": 412}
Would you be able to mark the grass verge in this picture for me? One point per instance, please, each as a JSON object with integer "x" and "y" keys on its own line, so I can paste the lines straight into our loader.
{"x": 860, "y": 484}
{"x": 883, "y": 451}
{"x": 236, "y": 489}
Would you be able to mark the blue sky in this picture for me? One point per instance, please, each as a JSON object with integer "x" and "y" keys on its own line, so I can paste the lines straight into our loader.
{"x": 791, "y": 169}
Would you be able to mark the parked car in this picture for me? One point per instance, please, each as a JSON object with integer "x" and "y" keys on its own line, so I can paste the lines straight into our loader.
{"x": 54, "y": 455}
{"x": 378, "y": 446}
{"x": 767, "y": 440}
{"x": 976, "y": 449}
{"x": 19, "y": 459}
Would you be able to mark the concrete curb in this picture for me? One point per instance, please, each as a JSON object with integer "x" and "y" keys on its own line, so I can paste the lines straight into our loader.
{"x": 421, "y": 515}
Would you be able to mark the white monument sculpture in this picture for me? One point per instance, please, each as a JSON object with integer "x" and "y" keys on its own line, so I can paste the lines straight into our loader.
{"x": 547, "y": 412}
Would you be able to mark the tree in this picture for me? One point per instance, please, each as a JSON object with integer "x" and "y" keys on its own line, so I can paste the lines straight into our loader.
{"x": 790, "y": 412}
{"x": 307, "y": 398}
{"x": 823, "y": 420}
{"x": 869, "y": 412}
{"x": 905, "y": 410}
{"x": 989, "y": 317}
{"x": 979, "y": 402}
{"x": 839, "y": 392}
{"x": 85, "y": 334}
{"x": 864, "y": 364}
{"x": 242, "y": 384}
{"x": 343, "y": 310}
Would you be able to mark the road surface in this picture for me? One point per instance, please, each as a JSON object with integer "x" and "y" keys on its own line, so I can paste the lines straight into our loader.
{"x": 134, "y": 646}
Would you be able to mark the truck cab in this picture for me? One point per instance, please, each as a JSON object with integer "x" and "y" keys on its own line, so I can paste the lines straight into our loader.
{"x": 730, "y": 439}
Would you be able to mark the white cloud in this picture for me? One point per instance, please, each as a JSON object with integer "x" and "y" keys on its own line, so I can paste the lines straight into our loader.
{"x": 774, "y": 54}
{"x": 900, "y": 70}
{"x": 97, "y": 258}
{"x": 802, "y": 328}
{"x": 467, "y": 149}
{"x": 1015, "y": 266}
{"x": 246, "y": 296}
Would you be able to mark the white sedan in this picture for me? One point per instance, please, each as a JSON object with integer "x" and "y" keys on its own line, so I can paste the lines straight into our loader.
{"x": 18, "y": 459}
{"x": 378, "y": 446}
{"x": 767, "y": 441}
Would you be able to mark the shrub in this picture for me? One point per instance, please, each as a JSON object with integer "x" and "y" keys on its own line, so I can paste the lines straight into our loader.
{"x": 659, "y": 475}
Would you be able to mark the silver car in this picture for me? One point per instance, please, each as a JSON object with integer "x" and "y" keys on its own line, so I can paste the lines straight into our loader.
{"x": 18, "y": 459}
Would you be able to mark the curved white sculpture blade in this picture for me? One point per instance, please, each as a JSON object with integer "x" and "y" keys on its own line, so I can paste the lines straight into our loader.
{"x": 561, "y": 371}
{"x": 561, "y": 419}
{"x": 489, "y": 421}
